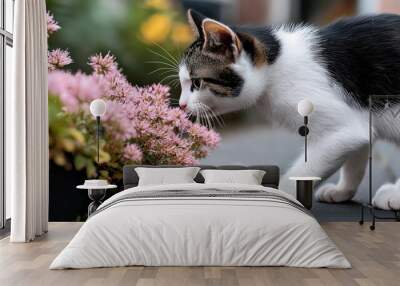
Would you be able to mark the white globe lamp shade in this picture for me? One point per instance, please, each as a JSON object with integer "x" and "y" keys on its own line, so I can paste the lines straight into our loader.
{"x": 305, "y": 107}
{"x": 98, "y": 107}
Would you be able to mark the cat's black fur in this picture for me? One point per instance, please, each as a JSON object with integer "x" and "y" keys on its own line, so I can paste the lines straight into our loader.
{"x": 363, "y": 55}
{"x": 265, "y": 35}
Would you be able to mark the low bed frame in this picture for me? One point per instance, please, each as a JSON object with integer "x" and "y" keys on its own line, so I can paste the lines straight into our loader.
{"x": 270, "y": 179}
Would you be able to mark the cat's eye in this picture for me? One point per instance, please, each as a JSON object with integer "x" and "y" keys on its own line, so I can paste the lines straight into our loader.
{"x": 196, "y": 84}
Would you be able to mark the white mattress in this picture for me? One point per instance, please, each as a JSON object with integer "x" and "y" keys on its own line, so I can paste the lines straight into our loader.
{"x": 200, "y": 231}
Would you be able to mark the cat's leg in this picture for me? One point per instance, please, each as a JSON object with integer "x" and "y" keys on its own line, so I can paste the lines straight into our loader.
{"x": 326, "y": 156}
{"x": 351, "y": 174}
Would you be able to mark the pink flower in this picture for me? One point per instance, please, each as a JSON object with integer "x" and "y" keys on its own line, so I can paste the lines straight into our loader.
{"x": 58, "y": 59}
{"x": 103, "y": 64}
{"x": 177, "y": 118}
{"x": 124, "y": 127}
{"x": 133, "y": 153}
{"x": 213, "y": 139}
{"x": 75, "y": 91}
{"x": 204, "y": 136}
{"x": 52, "y": 25}
{"x": 116, "y": 86}
{"x": 162, "y": 134}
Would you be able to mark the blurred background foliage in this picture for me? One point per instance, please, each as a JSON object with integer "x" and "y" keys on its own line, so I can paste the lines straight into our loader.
{"x": 128, "y": 29}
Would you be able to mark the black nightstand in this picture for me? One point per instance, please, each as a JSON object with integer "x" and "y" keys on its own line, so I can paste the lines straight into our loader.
{"x": 96, "y": 194}
{"x": 304, "y": 190}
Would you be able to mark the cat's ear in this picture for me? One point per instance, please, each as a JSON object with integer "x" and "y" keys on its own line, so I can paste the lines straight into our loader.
{"x": 220, "y": 39}
{"x": 196, "y": 22}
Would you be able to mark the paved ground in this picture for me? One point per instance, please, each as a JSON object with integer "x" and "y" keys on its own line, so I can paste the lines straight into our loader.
{"x": 255, "y": 144}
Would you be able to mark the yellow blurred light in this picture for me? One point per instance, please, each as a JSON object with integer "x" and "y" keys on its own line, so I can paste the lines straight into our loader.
{"x": 77, "y": 135}
{"x": 156, "y": 28}
{"x": 158, "y": 4}
{"x": 68, "y": 145}
{"x": 104, "y": 156}
{"x": 59, "y": 159}
{"x": 181, "y": 34}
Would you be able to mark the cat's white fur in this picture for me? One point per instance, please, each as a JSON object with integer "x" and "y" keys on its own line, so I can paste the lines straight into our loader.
{"x": 338, "y": 132}
{"x": 387, "y": 197}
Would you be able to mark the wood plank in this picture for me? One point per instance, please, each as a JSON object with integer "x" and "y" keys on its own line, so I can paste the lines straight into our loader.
{"x": 375, "y": 257}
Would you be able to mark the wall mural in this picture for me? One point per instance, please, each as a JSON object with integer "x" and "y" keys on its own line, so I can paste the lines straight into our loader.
{"x": 178, "y": 90}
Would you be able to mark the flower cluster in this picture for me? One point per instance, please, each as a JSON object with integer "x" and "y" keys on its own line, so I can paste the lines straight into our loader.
{"x": 140, "y": 124}
{"x": 102, "y": 65}
{"x": 58, "y": 59}
{"x": 52, "y": 25}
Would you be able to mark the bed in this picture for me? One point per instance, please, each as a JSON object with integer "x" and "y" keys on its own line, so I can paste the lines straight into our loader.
{"x": 198, "y": 224}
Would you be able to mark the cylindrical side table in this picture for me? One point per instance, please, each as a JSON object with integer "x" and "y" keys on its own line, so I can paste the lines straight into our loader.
{"x": 96, "y": 194}
{"x": 304, "y": 190}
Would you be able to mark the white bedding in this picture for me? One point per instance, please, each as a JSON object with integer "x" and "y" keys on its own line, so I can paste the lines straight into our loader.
{"x": 200, "y": 231}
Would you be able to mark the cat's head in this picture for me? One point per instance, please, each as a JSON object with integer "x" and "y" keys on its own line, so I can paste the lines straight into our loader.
{"x": 222, "y": 69}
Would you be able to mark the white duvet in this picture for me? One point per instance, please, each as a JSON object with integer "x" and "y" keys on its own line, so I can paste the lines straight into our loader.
{"x": 200, "y": 231}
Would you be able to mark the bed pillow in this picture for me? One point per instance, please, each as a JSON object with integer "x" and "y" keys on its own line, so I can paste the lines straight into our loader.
{"x": 166, "y": 176}
{"x": 248, "y": 177}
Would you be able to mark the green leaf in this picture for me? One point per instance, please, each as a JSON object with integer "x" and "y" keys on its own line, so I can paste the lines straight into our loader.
{"x": 90, "y": 169}
{"x": 80, "y": 162}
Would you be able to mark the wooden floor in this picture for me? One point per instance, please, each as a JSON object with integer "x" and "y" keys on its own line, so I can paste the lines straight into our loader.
{"x": 375, "y": 257}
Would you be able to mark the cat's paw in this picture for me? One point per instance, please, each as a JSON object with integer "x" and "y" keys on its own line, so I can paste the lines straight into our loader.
{"x": 330, "y": 193}
{"x": 387, "y": 197}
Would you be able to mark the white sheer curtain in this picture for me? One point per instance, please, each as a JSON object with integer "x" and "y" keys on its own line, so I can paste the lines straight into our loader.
{"x": 27, "y": 124}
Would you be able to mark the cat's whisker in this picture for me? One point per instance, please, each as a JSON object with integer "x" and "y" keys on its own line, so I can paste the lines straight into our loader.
{"x": 202, "y": 118}
{"x": 168, "y": 53}
{"x": 201, "y": 111}
{"x": 212, "y": 114}
{"x": 210, "y": 120}
{"x": 162, "y": 63}
{"x": 197, "y": 117}
{"x": 168, "y": 77}
{"x": 190, "y": 115}
{"x": 206, "y": 121}
{"x": 176, "y": 79}
{"x": 173, "y": 62}
{"x": 215, "y": 119}
{"x": 220, "y": 121}
{"x": 162, "y": 69}
{"x": 168, "y": 73}
{"x": 174, "y": 102}
{"x": 176, "y": 82}
{"x": 207, "y": 117}
{"x": 171, "y": 83}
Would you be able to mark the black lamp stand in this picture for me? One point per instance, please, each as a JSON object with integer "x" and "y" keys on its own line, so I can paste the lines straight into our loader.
{"x": 98, "y": 139}
{"x": 96, "y": 195}
{"x": 303, "y": 131}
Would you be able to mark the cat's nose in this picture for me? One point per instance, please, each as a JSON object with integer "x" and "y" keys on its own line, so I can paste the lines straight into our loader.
{"x": 183, "y": 106}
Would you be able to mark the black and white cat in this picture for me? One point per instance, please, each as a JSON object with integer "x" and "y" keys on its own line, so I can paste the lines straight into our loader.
{"x": 336, "y": 67}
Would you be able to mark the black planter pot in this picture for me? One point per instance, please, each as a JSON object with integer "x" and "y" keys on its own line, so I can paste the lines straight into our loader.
{"x": 66, "y": 203}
